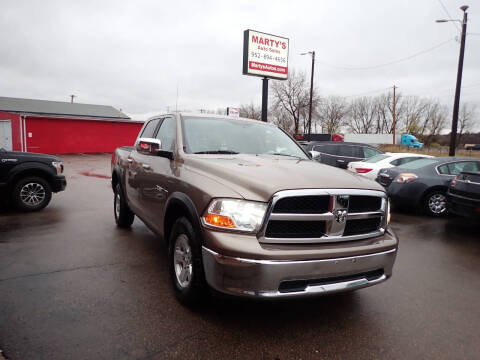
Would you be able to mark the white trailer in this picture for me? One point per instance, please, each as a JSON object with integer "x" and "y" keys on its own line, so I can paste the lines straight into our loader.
{"x": 374, "y": 139}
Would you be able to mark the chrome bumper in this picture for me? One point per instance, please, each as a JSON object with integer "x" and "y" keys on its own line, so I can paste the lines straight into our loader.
{"x": 263, "y": 278}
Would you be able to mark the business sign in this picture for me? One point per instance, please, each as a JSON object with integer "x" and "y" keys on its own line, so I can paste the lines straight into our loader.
{"x": 233, "y": 111}
{"x": 265, "y": 55}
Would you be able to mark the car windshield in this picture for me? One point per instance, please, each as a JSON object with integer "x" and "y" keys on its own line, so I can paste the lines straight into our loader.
{"x": 230, "y": 136}
{"x": 417, "y": 164}
{"x": 376, "y": 158}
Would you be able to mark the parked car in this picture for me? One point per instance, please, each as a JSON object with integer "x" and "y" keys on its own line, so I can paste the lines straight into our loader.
{"x": 463, "y": 196}
{"x": 339, "y": 154}
{"x": 219, "y": 192}
{"x": 474, "y": 147}
{"x": 423, "y": 184}
{"x": 27, "y": 180}
{"x": 370, "y": 167}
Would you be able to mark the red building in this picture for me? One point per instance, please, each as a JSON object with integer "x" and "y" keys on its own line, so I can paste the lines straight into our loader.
{"x": 54, "y": 127}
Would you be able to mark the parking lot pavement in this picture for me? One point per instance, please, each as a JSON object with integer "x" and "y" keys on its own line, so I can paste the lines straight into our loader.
{"x": 73, "y": 286}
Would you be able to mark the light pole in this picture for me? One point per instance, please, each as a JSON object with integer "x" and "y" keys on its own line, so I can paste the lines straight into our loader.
{"x": 311, "y": 93}
{"x": 456, "y": 103}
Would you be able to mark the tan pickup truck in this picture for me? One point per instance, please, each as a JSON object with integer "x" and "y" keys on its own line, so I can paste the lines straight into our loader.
{"x": 245, "y": 211}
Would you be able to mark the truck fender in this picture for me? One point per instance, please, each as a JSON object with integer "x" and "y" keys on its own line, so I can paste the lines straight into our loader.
{"x": 179, "y": 204}
{"x": 31, "y": 168}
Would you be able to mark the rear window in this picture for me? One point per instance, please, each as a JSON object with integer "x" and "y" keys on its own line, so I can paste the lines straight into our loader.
{"x": 326, "y": 149}
{"x": 370, "y": 152}
{"x": 377, "y": 158}
{"x": 418, "y": 164}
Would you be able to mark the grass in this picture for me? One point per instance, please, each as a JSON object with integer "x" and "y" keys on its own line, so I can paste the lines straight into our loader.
{"x": 441, "y": 151}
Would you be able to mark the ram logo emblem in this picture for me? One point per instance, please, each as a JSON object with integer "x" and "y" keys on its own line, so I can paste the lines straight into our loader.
{"x": 340, "y": 216}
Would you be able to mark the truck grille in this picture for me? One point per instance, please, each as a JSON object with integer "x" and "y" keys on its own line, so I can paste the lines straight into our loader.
{"x": 321, "y": 216}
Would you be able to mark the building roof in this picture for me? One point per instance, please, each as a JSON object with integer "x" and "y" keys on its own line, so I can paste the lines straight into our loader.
{"x": 43, "y": 107}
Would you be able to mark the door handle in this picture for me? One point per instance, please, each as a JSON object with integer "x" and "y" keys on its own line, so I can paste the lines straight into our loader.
{"x": 146, "y": 166}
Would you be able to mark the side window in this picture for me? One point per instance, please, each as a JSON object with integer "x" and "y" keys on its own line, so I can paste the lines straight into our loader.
{"x": 396, "y": 162}
{"x": 350, "y": 151}
{"x": 149, "y": 129}
{"x": 369, "y": 152}
{"x": 444, "y": 170}
{"x": 458, "y": 167}
{"x": 166, "y": 134}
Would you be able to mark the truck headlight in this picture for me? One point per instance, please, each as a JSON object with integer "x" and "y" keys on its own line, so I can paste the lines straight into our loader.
{"x": 232, "y": 214}
{"x": 58, "y": 165}
{"x": 389, "y": 213}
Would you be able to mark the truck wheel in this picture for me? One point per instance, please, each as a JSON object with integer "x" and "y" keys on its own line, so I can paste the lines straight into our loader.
{"x": 436, "y": 203}
{"x": 31, "y": 194}
{"x": 185, "y": 263}
{"x": 123, "y": 215}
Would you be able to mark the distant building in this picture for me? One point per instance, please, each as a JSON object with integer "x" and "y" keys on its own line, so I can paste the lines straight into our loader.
{"x": 55, "y": 127}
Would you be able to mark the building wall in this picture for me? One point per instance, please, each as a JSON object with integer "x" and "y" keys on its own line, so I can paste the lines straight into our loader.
{"x": 16, "y": 130}
{"x": 65, "y": 136}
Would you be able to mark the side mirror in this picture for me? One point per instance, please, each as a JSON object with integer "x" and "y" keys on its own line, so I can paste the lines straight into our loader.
{"x": 150, "y": 146}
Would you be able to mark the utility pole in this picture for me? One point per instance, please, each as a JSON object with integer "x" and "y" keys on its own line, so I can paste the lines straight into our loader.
{"x": 311, "y": 96}
{"x": 71, "y": 100}
{"x": 264, "y": 98}
{"x": 394, "y": 115}
{"x": 456, "y": 104}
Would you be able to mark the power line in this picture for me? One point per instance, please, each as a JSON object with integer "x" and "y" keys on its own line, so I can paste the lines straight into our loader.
{"x": 449, "y": 17}
{"x": 390, "y": 62}
{"x": 368, "y": 92}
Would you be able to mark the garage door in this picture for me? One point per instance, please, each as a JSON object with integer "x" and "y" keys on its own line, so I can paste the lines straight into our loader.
{"x": 6, "y": 134}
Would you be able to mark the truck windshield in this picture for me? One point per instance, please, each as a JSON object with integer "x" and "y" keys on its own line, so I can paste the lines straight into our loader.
{"x": 230, "y": 136}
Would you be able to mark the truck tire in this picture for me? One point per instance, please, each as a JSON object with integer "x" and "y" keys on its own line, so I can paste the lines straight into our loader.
{"x": 435, "y": 203}
{"x": 31, "y": 194}
{"x": 123, "y": 215}
{"x": 185, "y": 263}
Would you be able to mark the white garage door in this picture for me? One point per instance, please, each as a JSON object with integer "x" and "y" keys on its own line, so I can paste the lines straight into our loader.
{"x": 6, "y": 134}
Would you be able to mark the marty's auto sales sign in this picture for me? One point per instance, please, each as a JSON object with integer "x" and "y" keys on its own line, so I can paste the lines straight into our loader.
{"x": 265, "y": 55}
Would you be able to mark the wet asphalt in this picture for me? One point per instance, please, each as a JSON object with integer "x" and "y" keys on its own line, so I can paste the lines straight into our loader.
{"x": 74, "y": 286}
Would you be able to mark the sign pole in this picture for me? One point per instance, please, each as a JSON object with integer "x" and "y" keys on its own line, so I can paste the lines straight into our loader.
{"x": 264, "y": 99}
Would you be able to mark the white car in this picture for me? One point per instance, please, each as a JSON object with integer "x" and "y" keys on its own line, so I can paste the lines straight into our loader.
{"x": 370, "y": 167}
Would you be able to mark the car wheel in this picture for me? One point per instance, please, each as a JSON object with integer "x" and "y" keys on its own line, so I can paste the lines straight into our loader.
{"x": 123, "y": 215}
{"x": 436, "y": 203}
{"x": 185, "y": 263}
{"x": 31, "y": 194}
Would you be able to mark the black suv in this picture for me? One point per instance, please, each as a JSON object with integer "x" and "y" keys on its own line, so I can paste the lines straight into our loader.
{"x": 28, "y": 179}
{"x": 339, "y": 154}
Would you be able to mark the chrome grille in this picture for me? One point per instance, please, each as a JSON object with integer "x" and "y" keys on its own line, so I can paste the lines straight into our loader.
{"x": 303, "y": 216}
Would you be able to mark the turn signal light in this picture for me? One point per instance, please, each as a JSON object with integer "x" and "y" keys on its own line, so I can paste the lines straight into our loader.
{"x": 362, "y": 170}
{"x": 219, "y": 220}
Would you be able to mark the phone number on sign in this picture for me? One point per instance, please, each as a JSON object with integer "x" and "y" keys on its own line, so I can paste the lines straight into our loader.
{"x": 258, "y": 55}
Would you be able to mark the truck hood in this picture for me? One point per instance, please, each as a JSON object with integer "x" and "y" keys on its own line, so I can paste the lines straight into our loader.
{"x": 258, "y": 177}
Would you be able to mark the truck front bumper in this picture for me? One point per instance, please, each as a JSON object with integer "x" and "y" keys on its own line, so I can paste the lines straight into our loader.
{"x": 285, "y": 278}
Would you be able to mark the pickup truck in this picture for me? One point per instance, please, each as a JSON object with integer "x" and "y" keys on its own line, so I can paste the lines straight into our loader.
{"x": 27, "y": 180}
{"x": 245, "y": 211}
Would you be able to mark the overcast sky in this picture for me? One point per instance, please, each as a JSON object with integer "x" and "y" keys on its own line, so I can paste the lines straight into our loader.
{"x": 133, "y": 54}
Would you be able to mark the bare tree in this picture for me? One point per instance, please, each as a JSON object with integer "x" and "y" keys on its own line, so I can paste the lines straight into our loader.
{"x": 292, "y": 97}
{"x": 363, "y": 115}
{"x": 466, "y": 116}
{"x": 332, "y": 113}
{"x": 251, "y": 111}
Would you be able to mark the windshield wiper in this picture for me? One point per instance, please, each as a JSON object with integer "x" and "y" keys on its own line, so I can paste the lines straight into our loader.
{"x": 280, "y": 154}
{"x": 227, "y": 152}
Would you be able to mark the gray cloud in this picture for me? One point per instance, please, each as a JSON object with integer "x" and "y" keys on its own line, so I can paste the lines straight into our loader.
{"x": 132, "y": 55}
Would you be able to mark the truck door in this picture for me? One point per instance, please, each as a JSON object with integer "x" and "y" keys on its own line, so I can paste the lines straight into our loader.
{"x": 158, "y": 177}
{"x": 134, "y": 165}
